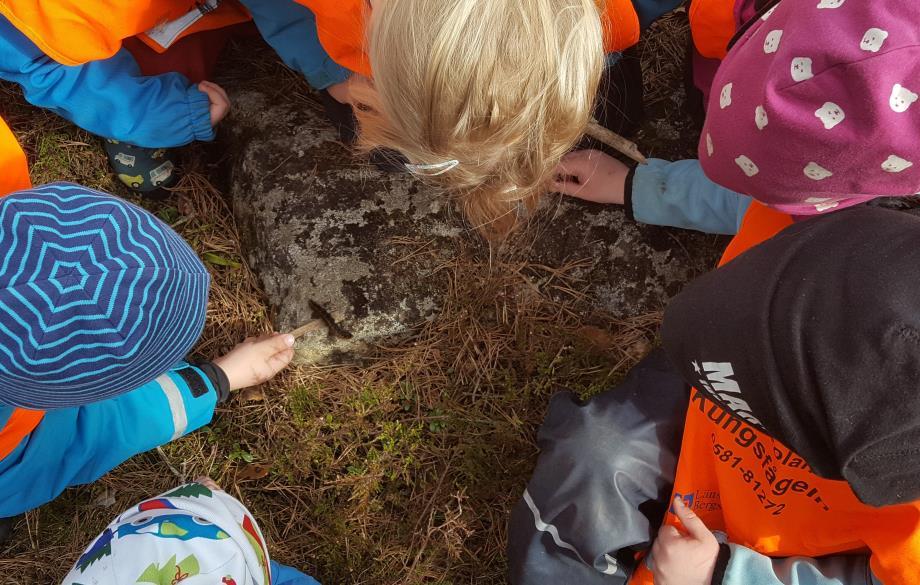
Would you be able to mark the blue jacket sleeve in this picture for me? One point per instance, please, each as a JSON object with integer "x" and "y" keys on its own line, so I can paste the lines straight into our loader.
{"x": 291, "y": 30}
{"x": 747, "y": 567}
{"x": 284, "y": 575}
{"x": 110, "y": 98}
{"x": 678, "y": 194}
{"x": 74, "y": 446}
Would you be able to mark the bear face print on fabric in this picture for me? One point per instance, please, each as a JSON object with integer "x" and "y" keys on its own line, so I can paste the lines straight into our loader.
{"x": 771, "y": 42}
{"x": 801, "y": 69}
{"x": 830, "y": 114}
{"x": 822, "y": 204}
{"x": 747, "y": 165}
{"x": 816, "y": 172}
{"x": 831, "y": 3}
{"x": 760, "y": 118}
{"x": 896, "y": 164}
{"x": 725, "y": 98}
{"x": 873, "y": 40}
{"x": 901, "y": 98}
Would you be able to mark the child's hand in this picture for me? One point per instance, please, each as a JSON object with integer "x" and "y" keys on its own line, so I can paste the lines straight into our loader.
{"x": 684, "y": 559}
{"x": 220, "y": 102}
{"x": 208, "y": 483}
{"x": 591, "y": 175}
{"x": 257, "y": 359}
{"x": 354, "y": 91}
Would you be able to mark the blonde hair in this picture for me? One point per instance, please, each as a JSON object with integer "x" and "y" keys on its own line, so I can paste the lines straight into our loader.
{"x": 483, "y": 96}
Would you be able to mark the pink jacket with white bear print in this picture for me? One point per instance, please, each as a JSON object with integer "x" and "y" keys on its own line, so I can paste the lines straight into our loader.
{"x": 814, "y": 108}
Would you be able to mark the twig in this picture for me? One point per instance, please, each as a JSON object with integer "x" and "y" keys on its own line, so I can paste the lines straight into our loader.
{"x": 180, "y": 475}
{"x": 614, "y": 140}
{"x": 312, "y": 325}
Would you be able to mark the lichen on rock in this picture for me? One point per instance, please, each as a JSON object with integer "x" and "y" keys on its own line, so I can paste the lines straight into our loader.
{"x": 319, "y": 223}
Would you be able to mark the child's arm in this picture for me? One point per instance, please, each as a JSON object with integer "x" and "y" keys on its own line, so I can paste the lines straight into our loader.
{"x": 691, "y": 555}
{"x": 291, "y": 30}
{"x": 78, "y": 445}
{"x": 743, "y": 566}
{"x": 675, "y": 194}
{"x": 109, "y": 98}
{"x": 284, "y": 575}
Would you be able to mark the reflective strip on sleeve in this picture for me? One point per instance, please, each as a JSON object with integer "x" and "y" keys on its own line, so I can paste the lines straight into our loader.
{"x": 176, "y": 405}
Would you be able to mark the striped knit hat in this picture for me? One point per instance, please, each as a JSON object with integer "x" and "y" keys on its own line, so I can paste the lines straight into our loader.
{"x": 97, "y": 297}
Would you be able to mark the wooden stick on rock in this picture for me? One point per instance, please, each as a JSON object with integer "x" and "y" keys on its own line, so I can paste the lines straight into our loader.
{"x": 614, "y": 140}
{"x": 312, "y": 325}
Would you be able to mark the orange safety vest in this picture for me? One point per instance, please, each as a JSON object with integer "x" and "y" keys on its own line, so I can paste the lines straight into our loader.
{"x": 712, "y": 25}
{"x": 750, "y": 486}
{"x": 341, "y": 25}
{"x": 73, "y": 32}
{"x": 14, "y": 176}
{"x": 14, "y": 170}
{"x": 20, "y": 424}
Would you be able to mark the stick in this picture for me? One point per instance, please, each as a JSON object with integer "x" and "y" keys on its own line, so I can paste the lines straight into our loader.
{"x": 334, "y": 328}
{"x": 312, "y": 325}
{"x": 614, "y": 140}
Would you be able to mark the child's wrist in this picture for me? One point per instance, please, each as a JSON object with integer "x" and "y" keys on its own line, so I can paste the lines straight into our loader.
{"x": 628, "y": 192}
{"x": 218, "y": 378}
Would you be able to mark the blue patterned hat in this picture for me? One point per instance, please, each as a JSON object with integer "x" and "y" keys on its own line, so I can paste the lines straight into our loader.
{"x": 97, "y": 297}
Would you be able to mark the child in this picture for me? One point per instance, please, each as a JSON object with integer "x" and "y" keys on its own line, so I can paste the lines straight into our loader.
{"x": 68, "y": 58}
{"x": 439, "y": 69}
{"x": 196, "y": 533}
{"x": 99, "y": 304}
{"x": 486, "y": 97}
{"x": 783, "y": 125}
{"x": 535, "y": 68}
{"x": 794, "y": 464}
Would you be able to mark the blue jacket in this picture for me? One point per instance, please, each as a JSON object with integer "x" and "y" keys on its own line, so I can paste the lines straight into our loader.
{"x": 75, "y": 446}
{"x": 113, "y": 99}
{"x": 109, "y": 98}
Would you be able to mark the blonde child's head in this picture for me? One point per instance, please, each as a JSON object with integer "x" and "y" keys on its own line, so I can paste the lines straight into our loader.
{"x": 483, "y": 97}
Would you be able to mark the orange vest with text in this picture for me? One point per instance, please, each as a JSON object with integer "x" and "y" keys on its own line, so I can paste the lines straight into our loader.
{"x": 757, "y": 491}
{"x": 73, "y": 32}
{"x": 14, "y": 176}
{"x": 341, "y": 27}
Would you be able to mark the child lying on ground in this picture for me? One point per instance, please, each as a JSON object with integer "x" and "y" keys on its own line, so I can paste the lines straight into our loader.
{"x": 194, "y": 534}
{"x": 99, "y": 304}
{"x": 794, "y": 462}
{"x": 813, "y": 111}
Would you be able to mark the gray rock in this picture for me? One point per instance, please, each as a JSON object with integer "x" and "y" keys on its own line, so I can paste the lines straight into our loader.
{"x": 318, "y": 224}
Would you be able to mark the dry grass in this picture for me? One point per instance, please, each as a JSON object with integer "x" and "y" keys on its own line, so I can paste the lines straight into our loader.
{"x": 401, "y": 469}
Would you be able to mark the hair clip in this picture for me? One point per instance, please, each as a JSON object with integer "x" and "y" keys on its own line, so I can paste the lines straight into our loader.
{"x": 433, "y": 170}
